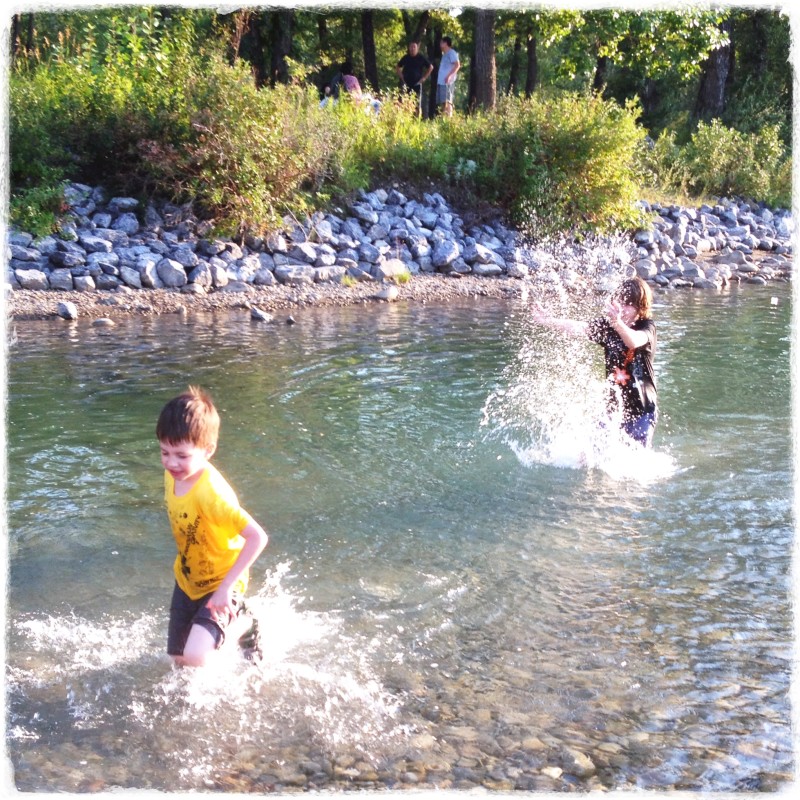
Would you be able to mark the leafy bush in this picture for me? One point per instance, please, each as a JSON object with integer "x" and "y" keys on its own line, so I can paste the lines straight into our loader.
{"x": 724, "y": 161}
{"x": 36, "y": 210}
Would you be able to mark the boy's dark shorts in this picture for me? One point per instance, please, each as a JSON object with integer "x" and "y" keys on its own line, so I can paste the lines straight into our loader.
{"x": 185, "y": 612}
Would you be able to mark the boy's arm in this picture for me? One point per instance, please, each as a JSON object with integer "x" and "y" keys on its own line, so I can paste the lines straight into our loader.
{"x": 255, "y": 540}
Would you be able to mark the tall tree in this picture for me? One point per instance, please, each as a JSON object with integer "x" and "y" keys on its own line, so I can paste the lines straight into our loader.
{"x": 368, "y": 45}
{"x": 483, "y": 75}
{"x": 532, "y": 65}
{"x": 434, "y": 56}
{"x": 513, "y": 73}
{"x": 714, "y": 79}
{"x": 280, "y": 45}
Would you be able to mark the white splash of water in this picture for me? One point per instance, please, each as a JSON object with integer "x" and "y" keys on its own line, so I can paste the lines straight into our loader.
{"x": 549, "y": 405}
{"x": 317, "y": 682}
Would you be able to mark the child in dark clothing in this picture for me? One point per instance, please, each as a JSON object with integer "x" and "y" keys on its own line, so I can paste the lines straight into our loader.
{"x": 627, "y": 334}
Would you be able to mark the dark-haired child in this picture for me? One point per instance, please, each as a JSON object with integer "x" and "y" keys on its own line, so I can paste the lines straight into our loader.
{"x": 627, "y": 334}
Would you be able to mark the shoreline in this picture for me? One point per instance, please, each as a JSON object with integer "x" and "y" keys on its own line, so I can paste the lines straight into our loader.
{"x": 266, "y": 302}
{"x": 113, "y": 258}
{"x": 30, "y": 305}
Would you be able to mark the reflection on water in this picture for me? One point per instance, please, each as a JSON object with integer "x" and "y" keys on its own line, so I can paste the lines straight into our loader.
{"x": 461, "y": 589}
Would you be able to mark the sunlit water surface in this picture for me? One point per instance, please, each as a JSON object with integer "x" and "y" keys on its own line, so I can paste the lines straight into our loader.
{"x": 467, "y": 581}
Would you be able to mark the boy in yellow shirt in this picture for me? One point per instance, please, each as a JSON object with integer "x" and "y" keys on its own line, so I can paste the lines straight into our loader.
{"x": 217, "y": 540}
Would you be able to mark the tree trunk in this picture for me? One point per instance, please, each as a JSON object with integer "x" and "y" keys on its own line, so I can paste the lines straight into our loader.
{"x": 323, "y": 33}
{"x": 240, "y": 25}
{"x": 421, "y": 27}
{"x": 651, "y": 97}
{"x": 281, "y": 45}
{"x": 760, "y": 40}
{"x": 256, "y": 38}
{"x": 513, "y": 75}
{"x": 711, "y": 94}
{"x": 532, "y": 72}
{"x": 434, "y": 55}
{"x": 368, "y": 43}
{"x": 600, "y": 73}
{"x": 483, "y": 77}
{"x": 15, "y": 42}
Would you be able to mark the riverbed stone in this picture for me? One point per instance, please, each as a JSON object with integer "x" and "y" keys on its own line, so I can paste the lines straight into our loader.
{"x": 67, "y": 310}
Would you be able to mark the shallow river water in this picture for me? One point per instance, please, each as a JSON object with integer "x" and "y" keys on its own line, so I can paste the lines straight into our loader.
{"x": 466, "y": 584}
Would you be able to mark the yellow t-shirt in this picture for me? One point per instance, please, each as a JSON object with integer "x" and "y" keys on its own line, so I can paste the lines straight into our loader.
{"x": 206, "y": 523}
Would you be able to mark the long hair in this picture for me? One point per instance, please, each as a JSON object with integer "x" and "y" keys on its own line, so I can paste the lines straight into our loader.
{"x": 637, "y": 293}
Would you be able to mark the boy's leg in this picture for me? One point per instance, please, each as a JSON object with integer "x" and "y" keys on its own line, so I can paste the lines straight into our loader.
{"x": 209, "y": 634}
{"x": 200, "y": 644}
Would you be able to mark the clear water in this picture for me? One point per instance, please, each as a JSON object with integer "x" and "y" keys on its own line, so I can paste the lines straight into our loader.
{"x": 464, "y": 581}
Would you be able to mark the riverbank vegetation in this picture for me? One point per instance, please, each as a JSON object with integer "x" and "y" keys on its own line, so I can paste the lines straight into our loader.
{"x": 223, "y": 110}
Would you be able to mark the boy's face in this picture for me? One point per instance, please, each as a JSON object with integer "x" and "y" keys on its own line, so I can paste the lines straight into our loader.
{"x": 184, "y": 460}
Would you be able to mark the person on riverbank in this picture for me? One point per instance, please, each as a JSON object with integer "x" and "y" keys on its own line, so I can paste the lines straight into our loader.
{"x": 446, "y": 77}
{"x": 627, "y": 334}
{"x": 217, "y": 540}
{"x": 414, "y": 69}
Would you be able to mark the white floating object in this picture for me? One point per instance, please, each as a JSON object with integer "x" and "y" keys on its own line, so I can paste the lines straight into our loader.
{"x": 773, "y": 301}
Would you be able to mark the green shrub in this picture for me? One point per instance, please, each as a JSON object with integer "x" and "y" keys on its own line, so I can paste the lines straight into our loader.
{"x": 36, "y": 210}
{"x": 724, "y": 161}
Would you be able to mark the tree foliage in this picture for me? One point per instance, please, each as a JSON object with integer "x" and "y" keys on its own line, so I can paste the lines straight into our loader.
{"x": 222, "y": 105}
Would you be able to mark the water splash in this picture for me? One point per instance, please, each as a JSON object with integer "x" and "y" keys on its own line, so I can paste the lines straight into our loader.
{"x": 549, "y": 405}
{"x": 316, "y": 687}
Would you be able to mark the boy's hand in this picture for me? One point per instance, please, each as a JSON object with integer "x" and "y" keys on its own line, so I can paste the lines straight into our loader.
{"x": 221, "y": 604}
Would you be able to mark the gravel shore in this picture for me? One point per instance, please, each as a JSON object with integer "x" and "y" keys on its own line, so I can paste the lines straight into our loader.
{"x": 276, "y": 300}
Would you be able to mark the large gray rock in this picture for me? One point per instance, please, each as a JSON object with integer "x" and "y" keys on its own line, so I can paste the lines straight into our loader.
{"x": 171, "y": 273}
{"x": 389, "y": 269}
{"x": 67, "y": 260}
{"x": 84, "y": 283}
{"x": 20, "y": 253}
{"x": 331, "y": 274}
{"x": 304, "y": 252}
{"x": 61, "y": 279}
{"x": 486, "y": 270}
{"x": 202, "y": 274}
{"x": 295, "y": 274}
{"x": 186, "y": 257}
{"x": 369, "y": 253}
{"x": 127, "y": 223}
{"x": 31, "y": 279}
{"x": 94, "y": 244}
{"x": 445, "y": 253}
{"x": 131, "y": 277}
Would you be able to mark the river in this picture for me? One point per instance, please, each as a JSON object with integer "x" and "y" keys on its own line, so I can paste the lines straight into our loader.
{"x": 464, "y": 585}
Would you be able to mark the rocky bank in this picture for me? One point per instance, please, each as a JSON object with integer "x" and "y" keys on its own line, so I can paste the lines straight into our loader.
{"x": 114, "y": 257}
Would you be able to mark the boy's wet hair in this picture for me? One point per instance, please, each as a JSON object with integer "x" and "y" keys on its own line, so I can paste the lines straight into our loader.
{"x": 189, "y": 417}
{"x": 636, "y": 292}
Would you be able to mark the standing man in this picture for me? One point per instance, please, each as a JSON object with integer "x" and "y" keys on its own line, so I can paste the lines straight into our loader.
{"x": 413, "y": 69}
{"x": 446, "y": 80}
